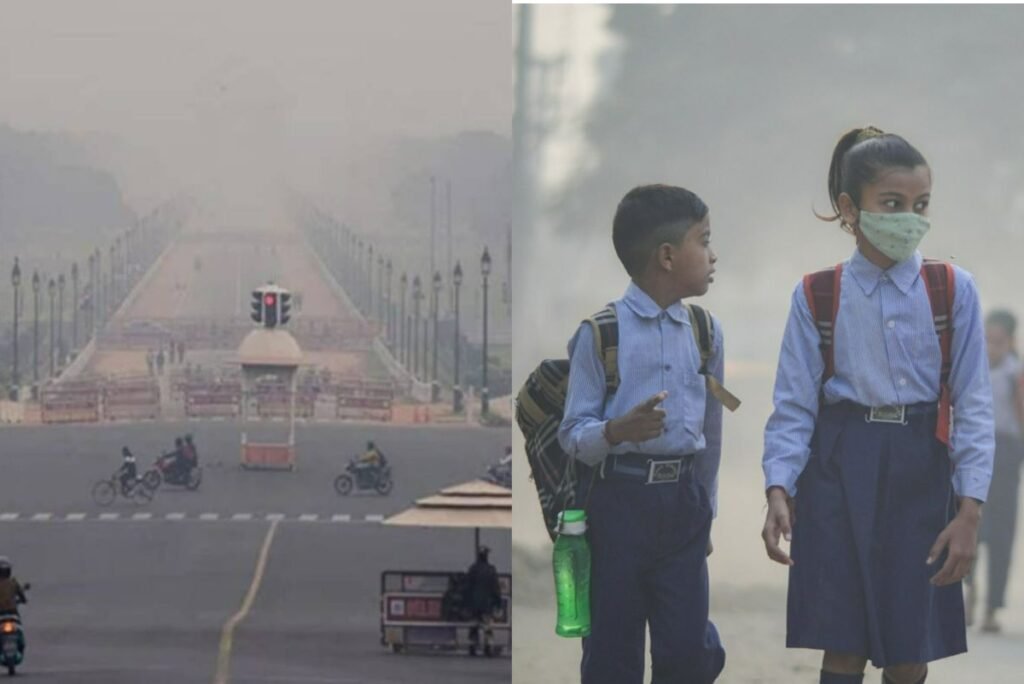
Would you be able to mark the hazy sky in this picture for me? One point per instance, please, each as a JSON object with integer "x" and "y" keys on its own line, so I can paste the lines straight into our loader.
{"x": 127, "y": 65}
{"x": 310, "y": 77}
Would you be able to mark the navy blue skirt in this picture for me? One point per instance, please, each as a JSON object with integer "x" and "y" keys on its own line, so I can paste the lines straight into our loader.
{"x": 869, "y": 505}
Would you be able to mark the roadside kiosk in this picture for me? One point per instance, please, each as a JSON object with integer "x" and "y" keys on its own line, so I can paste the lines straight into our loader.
{"x": 413, "y": 602}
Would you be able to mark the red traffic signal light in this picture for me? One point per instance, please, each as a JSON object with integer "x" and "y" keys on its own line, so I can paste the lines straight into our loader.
{"x": 270, "y": 300}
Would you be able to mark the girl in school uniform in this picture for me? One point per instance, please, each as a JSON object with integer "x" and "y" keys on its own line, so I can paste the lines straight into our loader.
{"x": 999, "y": 525}
{"x": 878, "y": 493}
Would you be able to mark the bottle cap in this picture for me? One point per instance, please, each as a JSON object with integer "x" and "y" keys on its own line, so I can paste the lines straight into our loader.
{"x": 572, "y": 522}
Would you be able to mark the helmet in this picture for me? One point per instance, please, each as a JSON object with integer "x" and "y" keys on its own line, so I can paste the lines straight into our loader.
{"x": 508, "y": 450}
{"x": 370, "y": 445}
{"x": 5, "y": 567}
{"x": 178, "y": 442}
{"x": 188, "y": 438}
{"x": 483, "y": 552}
{"x": 126, "y": 452}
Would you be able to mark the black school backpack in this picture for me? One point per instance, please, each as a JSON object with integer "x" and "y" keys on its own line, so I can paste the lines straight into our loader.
{"x": 540, "y": 406}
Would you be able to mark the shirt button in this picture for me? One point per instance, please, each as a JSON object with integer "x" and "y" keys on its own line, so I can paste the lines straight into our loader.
{"x": 668, "y": 366}
{"x": 891, "y": 324}
{"x": 903, "y": 381}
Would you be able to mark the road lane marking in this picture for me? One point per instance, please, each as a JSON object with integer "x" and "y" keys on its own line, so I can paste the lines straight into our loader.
{"x": 8, "y": 516}
{"x": 275, "y": 517}
{"x": 242, "y": 516}
{"x": 142, "y": 516}
{"x": 341, "y": 517}
{"x": 308, "y": 517}
{"x": 374, "y": 518}
{"x": 109, "y": 516}
{"x": 223, "y": 673}
{"x": 75, "y": 516}
{"x": 174, "y": 516}
{"x": 209, "y": 516}
{"x": 42, "y": 516}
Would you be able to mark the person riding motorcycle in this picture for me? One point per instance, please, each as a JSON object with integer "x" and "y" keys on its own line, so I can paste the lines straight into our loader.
{"x": 370, "y": 463}
{"x": 127, "y": 473}
{"x": 190, "y": 453}
{"x": 11, "y": 592}
{"x": 176, "y": 460}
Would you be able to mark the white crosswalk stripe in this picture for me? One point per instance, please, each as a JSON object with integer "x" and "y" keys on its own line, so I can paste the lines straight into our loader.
{"x": 12, "y": 516}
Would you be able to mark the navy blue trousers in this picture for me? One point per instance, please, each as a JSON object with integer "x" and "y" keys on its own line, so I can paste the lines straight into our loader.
{"x": 649, "y": 566}
{"x": 869, "y": 505}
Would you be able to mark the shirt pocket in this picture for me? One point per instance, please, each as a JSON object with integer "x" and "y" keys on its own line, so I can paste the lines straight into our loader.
{"x": 694, "y": 400}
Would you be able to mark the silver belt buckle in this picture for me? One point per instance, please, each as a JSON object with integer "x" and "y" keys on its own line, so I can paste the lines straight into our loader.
{"x": 661, "y": 472}
{"x": 887, "y": 414}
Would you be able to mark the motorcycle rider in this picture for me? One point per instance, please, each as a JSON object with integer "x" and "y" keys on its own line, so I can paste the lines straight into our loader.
{"x": 370, "y": 462}
{"x": 11, "y": 592}
{"x": 176, "y": 460}
{"x": 191, "y": 455}
{"x": 484, "y": 598}
{"x": 127, "y": 473}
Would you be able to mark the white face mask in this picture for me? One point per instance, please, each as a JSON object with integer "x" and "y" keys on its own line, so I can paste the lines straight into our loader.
{"x": 897, "y": 236}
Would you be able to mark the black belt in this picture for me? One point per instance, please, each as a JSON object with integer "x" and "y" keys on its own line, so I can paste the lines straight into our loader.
{"x": 646, "y": 468}
{"x": 889, "y": 414}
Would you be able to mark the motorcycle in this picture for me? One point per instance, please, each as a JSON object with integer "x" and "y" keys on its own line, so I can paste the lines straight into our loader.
{"x": 163, "y": 470}
{"x": 12, "y": 640}
{"x": 364, "y": 478}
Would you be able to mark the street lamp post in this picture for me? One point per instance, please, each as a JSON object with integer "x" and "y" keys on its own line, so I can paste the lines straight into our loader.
{"x": 456, "y": 390}
{"x": 35, "y": 328}
{"x": 60, "y": 320}
{"x": 485, "y": 270}
{"x": 390, "y": 309}
{"x": 369, "y": 283}
{"x": 403, "y": 333}
{"x": 16, "y": 283}
{"x": 435, "y": 305}
{"x": 51, "y": 289}
{"x": 74, "y": 305}
{"x": 417, "y": 297}
{"x": 100, "y": 301}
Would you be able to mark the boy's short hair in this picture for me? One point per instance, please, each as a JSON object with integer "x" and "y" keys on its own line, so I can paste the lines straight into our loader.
{"x": 651, "y": 215}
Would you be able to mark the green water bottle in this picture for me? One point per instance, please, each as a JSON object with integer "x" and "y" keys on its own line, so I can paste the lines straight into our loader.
{"x": 571, "y": 559}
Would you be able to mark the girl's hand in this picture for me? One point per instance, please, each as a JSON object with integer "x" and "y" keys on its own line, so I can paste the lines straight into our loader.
{"x": 780, "y": 519}
{"x": 961, "y": 538}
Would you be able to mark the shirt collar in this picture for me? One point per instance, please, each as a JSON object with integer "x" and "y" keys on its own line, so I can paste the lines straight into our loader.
{"x": 868, "y": 275}
{"x": 643, "y": 306}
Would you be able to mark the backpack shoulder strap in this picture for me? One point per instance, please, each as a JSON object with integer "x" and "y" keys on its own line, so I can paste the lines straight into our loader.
{"x": 940, "y": 280}
{"x": 822, "y": 291}
{"x": 605, "y": 325}
{"x": 703, "y": 326}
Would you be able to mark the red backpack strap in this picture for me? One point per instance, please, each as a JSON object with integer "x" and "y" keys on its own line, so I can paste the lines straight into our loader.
{"x": 941, "y": 282}
{"x": 822, "y": 291}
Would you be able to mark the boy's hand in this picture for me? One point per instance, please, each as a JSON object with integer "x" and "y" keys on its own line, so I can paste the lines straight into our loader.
{"x": 961, "y": 536}
{"x": 645, "y": 421}
{"x": 780, "y": 519}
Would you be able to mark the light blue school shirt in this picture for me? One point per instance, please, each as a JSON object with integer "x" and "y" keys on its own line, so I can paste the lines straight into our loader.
{"x": 886, "y": 353}
{"x": 656, "y": 352}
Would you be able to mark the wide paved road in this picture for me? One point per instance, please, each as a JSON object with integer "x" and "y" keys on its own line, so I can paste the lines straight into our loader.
{"x": 143, "y": 593}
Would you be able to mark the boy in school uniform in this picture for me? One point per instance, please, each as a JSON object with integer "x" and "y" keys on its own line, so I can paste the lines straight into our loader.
{"x": 656, "y": 444}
